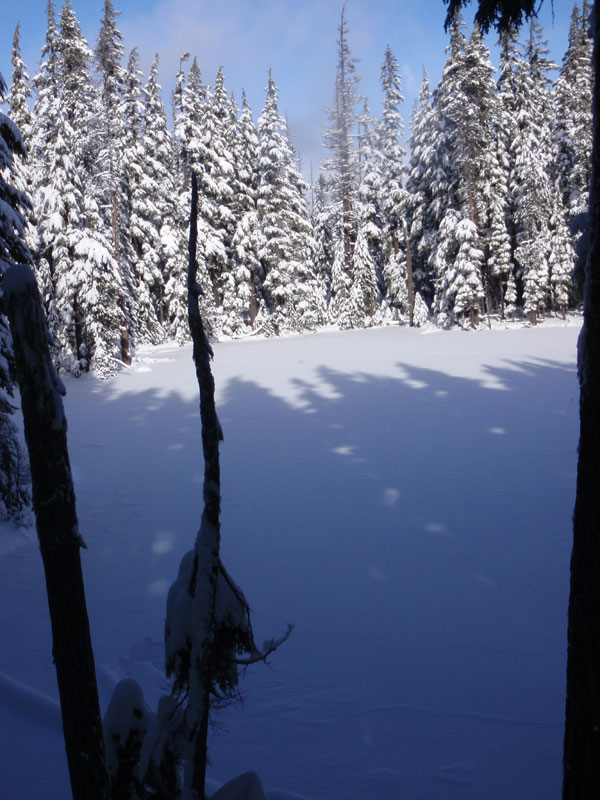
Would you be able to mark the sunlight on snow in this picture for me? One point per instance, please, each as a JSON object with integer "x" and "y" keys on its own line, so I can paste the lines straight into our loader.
{"x": 435, "y": 527}
{"x": 158, "y": 588}
{"x": 344, "y": 450}
{"x": 163, "y": 543}
{"x": 390, "y": 497}
{"x": 376, "y": 573}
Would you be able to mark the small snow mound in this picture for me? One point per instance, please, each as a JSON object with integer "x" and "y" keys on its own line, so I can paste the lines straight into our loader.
{"x": 14, "y": 538}
{"x": 245, "y": 787}
{"x": 281, "y": 794}
{"x": 28, "y": 701}
{"x": 458, "y": 774}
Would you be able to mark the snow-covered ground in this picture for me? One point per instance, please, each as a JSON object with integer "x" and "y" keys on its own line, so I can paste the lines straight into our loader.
{"x": 403, "y": 497}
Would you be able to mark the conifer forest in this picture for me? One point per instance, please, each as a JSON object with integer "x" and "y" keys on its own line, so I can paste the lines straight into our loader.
{"x": 471, "y": 212}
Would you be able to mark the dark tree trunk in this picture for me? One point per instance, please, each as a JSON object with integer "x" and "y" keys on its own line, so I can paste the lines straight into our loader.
{"x": 410, "y": 285}
{"x": 210, "y": 529}
{"x": 581, "y": 777}
{"x": 56, "y": 519}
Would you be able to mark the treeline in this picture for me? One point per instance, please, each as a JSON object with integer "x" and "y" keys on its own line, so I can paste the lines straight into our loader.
{"x": 475, "y": 221}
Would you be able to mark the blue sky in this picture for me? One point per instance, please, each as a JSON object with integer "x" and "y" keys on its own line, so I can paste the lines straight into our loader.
{"x": 295, "y": 38}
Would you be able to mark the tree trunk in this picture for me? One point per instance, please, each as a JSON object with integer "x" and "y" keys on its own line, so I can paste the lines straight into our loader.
{"x": 124, "y": 338}
{"x": 56, "y": 520}
{"x": 208, "y": 542}
{"x": 581, "y": 761}
{"x": 410, "y": 286}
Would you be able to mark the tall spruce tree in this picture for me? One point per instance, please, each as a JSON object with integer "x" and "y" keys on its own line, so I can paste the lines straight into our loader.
{"x": 109, "y": 127}
{"x": 531, "y": 183}
{"x": 394, "y": 199}
{"x": 14, "y": 474}
{"x": 339, "y": 139}
{"x": 136, "y": 190}
{"x": 20, "y": 113}
{"x": 573, "y": 123}
{"x": 420, "y": 185}
{"x": 287, "y": 253}
{"x": 86, "y": 316}
{"x": 244, "y": 306}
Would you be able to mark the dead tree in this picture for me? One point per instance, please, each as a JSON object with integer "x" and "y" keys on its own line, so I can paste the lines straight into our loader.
{"x": 57, "y": 527}
{"x": 204, "y": 658}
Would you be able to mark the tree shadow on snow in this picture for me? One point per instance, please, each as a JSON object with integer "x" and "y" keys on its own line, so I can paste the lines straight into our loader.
{"x": 417, "y": 530}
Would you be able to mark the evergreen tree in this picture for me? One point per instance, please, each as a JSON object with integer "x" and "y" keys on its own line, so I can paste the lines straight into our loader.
{"x": 393, "y": 195}
{"x": 364, "y": 294}
{"x": 573, "y": 125}
{"x": 137, "y": 192}
{"x": 244, "y": 306}
{"x": 289, "y": 284}
{"x": 501, "y": 233}
{"x": 339, "y": 139}
{"x": 44, "y": 134}
{"x": 323, "y": 236}
{"x": 108, "y": 166}
{"x": 14, "y": 488}
{"x": 369, "y": 212}
{"x": 460, "y": 117}
{"x": 531, "y": 182}
{"x": 20, "y": 113}
{"x": 420, "y": 187}
{"x": 85, "y": 309}
{"x": 20, "y": 92}
{"x": 190, "y": 100}
{"x": 341, "y": 308}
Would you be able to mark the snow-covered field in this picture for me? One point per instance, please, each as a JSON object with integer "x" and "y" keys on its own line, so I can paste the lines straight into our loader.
{"x": 403, "y": 497}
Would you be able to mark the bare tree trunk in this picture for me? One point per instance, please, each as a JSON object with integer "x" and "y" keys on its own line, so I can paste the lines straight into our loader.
{"x": 410, "y": 286}
{"x": 581, "y": 761}
{"x": 209, "y": 536}
{"x": 56, "y": 520}
{"x": 124, "y": 338}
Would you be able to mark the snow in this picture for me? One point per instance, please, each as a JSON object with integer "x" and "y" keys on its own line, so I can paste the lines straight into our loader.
{"x": 404, "y": 497}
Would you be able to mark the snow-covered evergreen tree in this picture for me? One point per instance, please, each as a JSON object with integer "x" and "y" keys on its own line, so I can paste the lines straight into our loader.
{"x": 393, "y": 195}
{"x": 289, "y": 284}
{"x": 86, "y": 314}
{"x": 573, "y": 125}
{"x": 364, "y": 294}
{"x": 189, "y": 109}
{"x": 137, "y": 188}
{"x": 531, "y": 182}
{"x": 14, "y": 487}
{"x": 20, "y": 113}
{"x": 341, "y": 310}
{"x": 323, "y": 236}
{"x": 369, "y": 212}
{"x": 108, "y": 168}
{"x": 420, "y": 183}
{"x": 243, "y": 305}
{"x": 561, "y": 258}
{"x": 339, "y": 139}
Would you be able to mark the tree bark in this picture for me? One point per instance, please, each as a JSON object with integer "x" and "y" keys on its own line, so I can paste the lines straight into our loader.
{"x": 581, "y": 761}
{"x": 57, "y": 527}
{"x": 207, "y": 546}
{"x": 410, "y": 286}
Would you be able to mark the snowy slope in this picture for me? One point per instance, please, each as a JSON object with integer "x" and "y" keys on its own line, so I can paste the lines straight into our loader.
{"x": 404, "y": 497}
